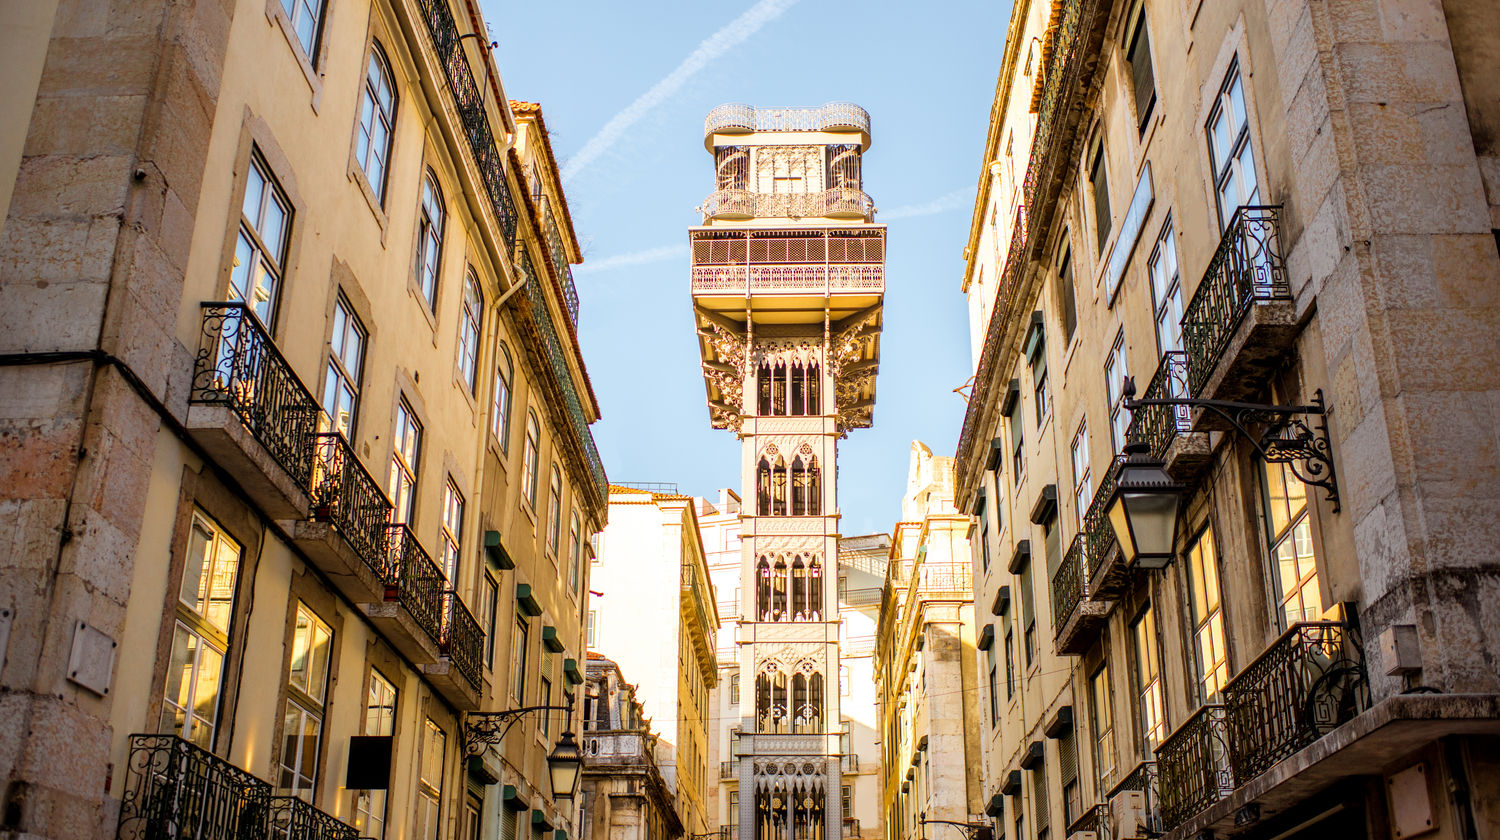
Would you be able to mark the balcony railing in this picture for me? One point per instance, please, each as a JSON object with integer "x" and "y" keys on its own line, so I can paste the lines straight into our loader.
{"x": 460, "y": 638}
{"x": 1101, "y": 534}
{"x": 734, "y": 116}
{"x": 177, "y": 789}
{"x": 1069, "y": 586}
{"x": 1059, "y": 73}
{"x": 985, "y": 376}
{"x": 739, "y": 260}
{"x": 415, "y": 581}
{"x": 346, "y": 495}
{"x": 943, "y": 579}
{"x": 1193, "y": 763}
{"x": 1142, "y": 780}
{"x": 559, "y": 256}
{"x": 1247, "y": 269}
{"x": 239, "y": 367}
{"x": 698, "y": 590}
{"x": 624, "y": 744}
{"x": 469, "y": 101}
{"x": 865, "y": 597}
{"x": 1094, "y": 821}
{"x": 728, "y": 769}
{"x": 835, "y": 201}
{"x": 1158, "y": 425}
{"x": 1308, "y": 682}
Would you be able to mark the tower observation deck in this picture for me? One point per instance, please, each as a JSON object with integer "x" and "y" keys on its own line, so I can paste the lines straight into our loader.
{"x": 788, "y": 281}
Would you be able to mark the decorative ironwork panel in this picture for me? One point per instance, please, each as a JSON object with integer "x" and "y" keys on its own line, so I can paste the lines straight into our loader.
{"x": 985, "y": 375}
{"x": 835, "y": 200}
{"x": 1068, "y": 584}
{"x": 460, "y": 639}
{"x": 238, "y": 366}
{"x": 934, "y": 579}
{"x": 176, "y": 789}
{"x": 559, "y": 256}
{"x": 1308, "y": 682}
{"x": 1247, "y": 269}
{"x": 1158, "y": 425}
{"x": 293, "y": 819}
{"x": 417, "y": 581}
{"x": 1193, "y": 766}
{"x": 1101, "y": 534}
{"x": 347, "y": 496}
{"x": 834, "y": 115}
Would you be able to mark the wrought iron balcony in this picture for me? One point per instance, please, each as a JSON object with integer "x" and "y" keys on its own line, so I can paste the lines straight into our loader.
{"x": 619, "y": 746}
{"x": 1307, "y": 683}
{"x": 1193, "y": 766}
{"x": 987, "y": 379}
{"x": 1076, "y": 615}
{"x": 1093, "y": 824}
{"x": 1247, "y": 273}
{"x": 414, "y": 581}
{"x": 740, "y": 261}
{"x": 1135, "y": 804}
{"x": 1107, "y": 575}
{"x": 1158, "y": 425}
{"x": 744, "y": 204}
{"x": 174, "y": 788}
{"x": 238, "y": 368}
{"x": 468, "y": 99}
{"x": 345, "y": 495}
{"x": 734, "y": 117}
{"x": 460, "y": 639}
{"x": 728, "y": 769}
{"x": 943, "y": 580}
{"x": 559, "y": 256}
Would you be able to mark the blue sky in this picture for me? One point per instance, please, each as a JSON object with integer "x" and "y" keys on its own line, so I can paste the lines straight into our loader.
{"x": 624, "y": 88}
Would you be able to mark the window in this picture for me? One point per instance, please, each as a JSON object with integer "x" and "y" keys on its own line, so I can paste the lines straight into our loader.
{"x": 200, "y": 638}
{"x": 1039, "y": 380}
{"x": 377, "y": 118}
{"x": 1290, "y": 537}
{"x": 994, "y": 687}
{"x": 593, "y": 629}
{"x": 1114, "y": 388}
{"x": 575, "y": 553}
{"x": 518, "y": 661}
{"x": 380, "y": 719}
{"x": 1067, "y": 766}
{"x": 1103, "y": 724}
{"x": 508, "y": 820}
{"x": 1083, "y": 485}
{"x": 529, "y": 461}
{"x": 260, "y": 249}
{"x": 843, "y": 680}
{"x": 1017, "y": 445}
{"x": 430, "y": 782}
{"x": 489, "y": 600}
{"x": 1148, "y": 689}
{"x": 1208, "y": 619}
{"x": 554, "y": 511}
{"x": 734, "y": 689}
{"x": 1010, "y": 664}
{"x": 468, "y": 334}
{"x": 307, "y": 687}
{"x": 500, "y": 409}
{"x": 1067, "y": 296}
{"x": 1166, "y": 290}
{"x": 451, "y": 532}
{"x": 306, "y": 17}
{"x": 544, "y": 692}
{"x": 1230, "y": 150}
{"x": 984, "y": 535}
{"x": 846, "y": 801}
{"x": 1099, "y": 181}
{"x": 1040, "y": 807}
{"x": 734, "y": 813}
{"x": 345, "y": 360}
{"x": 1142, "y": 77}
{"x": 405, "y": 451}
{"x": 430, "y": 239}
{"x": 1028, "y": 614}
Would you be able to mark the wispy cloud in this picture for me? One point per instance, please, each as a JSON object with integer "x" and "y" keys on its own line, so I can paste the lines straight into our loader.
{"x": 962, "y": 197}
{"x": 650, "y": 255}
{"x": 709, "y": 49}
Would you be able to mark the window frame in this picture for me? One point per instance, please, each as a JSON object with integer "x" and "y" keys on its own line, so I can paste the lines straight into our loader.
{"x": 1114, "y": 391}
{"x": 1164, "y": 251}
{"x": 502, "y": 397}
{"x": 1206, "y": 672}
{"x": 1139, "y": 35}
{"x": 450, "y": 532}
{"x": 1299, "y": 526}
{"x": 531, "y": 460}
{"x": 305, "y": 704}
{"x": 432, "y": 223}
{"x": 310, "y": 51}
{"x": 1083, "y": 480}
{"x": 1097, "y": 174}
{"x": 366, "y": 802}
{"x": 1230, "y": 168}
{"x": 191, "y": 622}
{"x": 408, "y": 435}
{"x": 338, "y": 375}
{"x": 554, "y": 511}
{"x": 470, "y": 329}
{"x": 365, "y": 148}
{"x": 261, "y": 260}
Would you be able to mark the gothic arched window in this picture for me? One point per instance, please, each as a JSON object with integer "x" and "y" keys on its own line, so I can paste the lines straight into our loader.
{"x": 799, "y": 390}
{"x": 814, "y": 590}
{"x": 813, "y": 379}
{"x": 778, "y": 389}
{"x": 799, "y": 487}
{"x": 778, "y": 590}
{"x": 763, "y": 488}
{"x": 778, "y": 487}
{"x": 763, "y": 590}
{"x": 799, "y": 589}
{"x": 763, "y": 389}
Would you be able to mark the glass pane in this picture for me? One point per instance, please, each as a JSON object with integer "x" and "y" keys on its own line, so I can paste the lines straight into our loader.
{"x": 239, "y": 273}
{"x": 255, "y": 193}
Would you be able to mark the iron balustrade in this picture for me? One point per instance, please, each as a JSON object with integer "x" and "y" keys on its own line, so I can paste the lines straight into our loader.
{"x": 414, "y": 581}
{"x": 345, "y": 495}
{"x": 1193, "y": 766}
{"x": 1069, "y": 586}
{"x": 728, "y": 769}
{"x": 460, "y": 638}
{"x": 940, "y": 579}
{"x": 1101, "y": 534}
{"x": 293, "y": 819}
{"x": 1095, "y": 819}
{"x": 239, "y": 367}
{"x": 833, "y": 115}
{"x": 694, "y": 585}
{"x": 1247, "y": 269}
{"x": 834, "y": 200}
{"x": 1158, "y": 425}
{"x": 985, "y": 376}
{"x": 740, "y": 247}
{"x": 1308, "y": 682}
{"x": 468, "y": 99}
{"x": 1060, "y": 71}
{"x": 1143, "y": 780}
{"x": 559, "y": 256}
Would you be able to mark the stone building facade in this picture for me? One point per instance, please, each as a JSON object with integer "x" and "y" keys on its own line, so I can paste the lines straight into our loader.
{"x": 666, "y": 636}
{"x": 1284, "y": 203}
{"x": 924, "y": 662}
{"x": 787, "y": 287}
{"x": 296, "y": 476}
{"x": 623, "y": 794}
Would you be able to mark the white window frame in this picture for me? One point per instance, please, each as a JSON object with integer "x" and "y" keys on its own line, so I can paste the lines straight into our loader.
{"x": 377, "y": 123}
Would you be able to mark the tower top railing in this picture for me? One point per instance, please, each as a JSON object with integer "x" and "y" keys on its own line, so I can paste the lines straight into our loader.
{"x": 739, "y": 118}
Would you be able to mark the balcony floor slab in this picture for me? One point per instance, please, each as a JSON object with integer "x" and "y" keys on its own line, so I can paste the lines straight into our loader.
{"x": 1255, "y": 352}
{"x": 403, "y": 631}
{"x": 322, "y": 543}
{"x": 220, "y": 431}
{"x": 1188, "y": 455}
{"x": 1082, "y": 627}
{"x": 449, "y": 682}
{"x": 1393, "y": 728}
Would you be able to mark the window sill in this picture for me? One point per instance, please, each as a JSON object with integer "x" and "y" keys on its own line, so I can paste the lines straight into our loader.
{"x": 277, "y": 15}
{"x": 357, "y": 175}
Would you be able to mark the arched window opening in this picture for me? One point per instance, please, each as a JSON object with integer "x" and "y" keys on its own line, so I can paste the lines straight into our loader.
{"x": 778, "y": 487}
{"x": 814, "y": 488}
{"x": 763, "y": 702}
{"x": 800, "y": 708}
{"x": 778, "y": 390}
{"x": 786, "y": 814}
{"x": 799, "y": 389}
{"x": 814, "y": 590}
{"x": 799, "y": 487}
{"x": 815, "y": 703}
{"x": 799, "y": 589}
{"x": 763, "y": 389}
{"x": 763, "y": 488}
{"x": 778, "y": 591}
{"x": 763, "y": 590}
{"x": 813, "y": 406}
{"x": 771, "y": 702}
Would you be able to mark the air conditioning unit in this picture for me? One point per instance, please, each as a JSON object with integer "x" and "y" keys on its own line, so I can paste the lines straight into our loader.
{"x": 1127, "y": 815}
{"x": 1084, "y": 835}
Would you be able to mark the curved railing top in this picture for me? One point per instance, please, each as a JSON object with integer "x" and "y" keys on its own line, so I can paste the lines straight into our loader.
{"x": 734, "y": 117}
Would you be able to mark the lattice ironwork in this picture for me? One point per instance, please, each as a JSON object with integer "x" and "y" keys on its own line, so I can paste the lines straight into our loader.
{"x": 559, "y": 257}
{"x": 460, "y": 638}
{"x": 413, "y": 580}
{"x": 1194, "y": 767}
{"x": 1096, "y": 519}
{"x": 1247, "y": 269}
{"x": 834, "y": 115}
{"x": 1095, "y": 820}
{"x": 239, "y": 367}
{"x": 829, "y": 202}
{"x": 1157, "y": 426}
{"x": 1308, "y": 682}
{"x": 345, "y": 495}
{"x": 1068, "y": 584}
{"x": 293, "y": 819}
{"x": 739, "y": 247}
{"x": 986, "y": 377}
{"x": 176, "y": 789}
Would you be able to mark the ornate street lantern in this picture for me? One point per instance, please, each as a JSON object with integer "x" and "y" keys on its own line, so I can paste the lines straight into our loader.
{"x": 1143, "y": 509}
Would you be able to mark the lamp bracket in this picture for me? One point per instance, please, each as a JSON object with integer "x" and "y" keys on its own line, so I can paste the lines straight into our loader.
{"x": 1281, "y": 434}
{"x": 970, "y": 830}
{"x": 488, "y": 729}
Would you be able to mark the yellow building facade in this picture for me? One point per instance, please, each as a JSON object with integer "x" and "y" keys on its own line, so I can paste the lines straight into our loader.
{"x": 1251, "y": 204}
{"x": 299, "y": 484}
